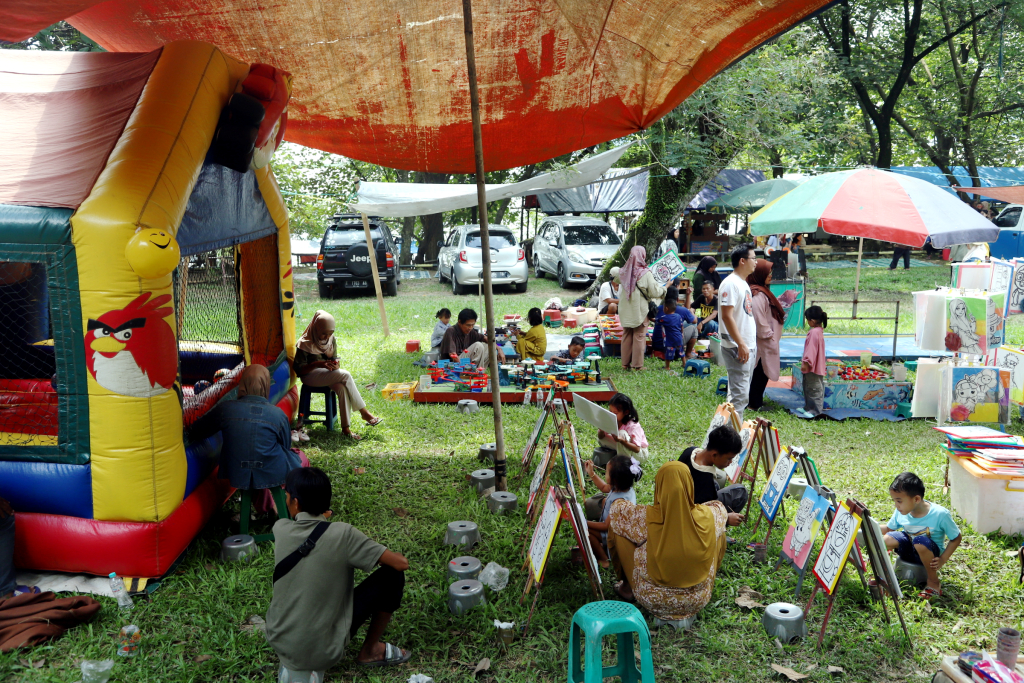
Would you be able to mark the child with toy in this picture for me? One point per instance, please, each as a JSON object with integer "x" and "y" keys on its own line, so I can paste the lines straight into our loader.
{"x": 630, "y": 439}
{"x": 918, "y": 530}
{"x": 621, "y": 474}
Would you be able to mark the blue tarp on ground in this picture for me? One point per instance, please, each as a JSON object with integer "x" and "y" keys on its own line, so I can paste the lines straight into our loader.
{"x": 625, "y": 189}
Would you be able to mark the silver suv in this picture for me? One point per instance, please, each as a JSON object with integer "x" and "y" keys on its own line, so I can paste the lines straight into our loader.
{"x": 572, "y": 248}
{"x": 460, "y": 259}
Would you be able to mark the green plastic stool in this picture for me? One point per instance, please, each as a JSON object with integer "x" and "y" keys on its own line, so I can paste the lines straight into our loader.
{"x": 243, "y": 518}
{"x": 599, "y": 619}
{"x": 903, "y": 410}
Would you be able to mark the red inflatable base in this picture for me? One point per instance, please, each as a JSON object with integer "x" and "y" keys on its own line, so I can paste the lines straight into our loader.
{"x": 136, "y": 549}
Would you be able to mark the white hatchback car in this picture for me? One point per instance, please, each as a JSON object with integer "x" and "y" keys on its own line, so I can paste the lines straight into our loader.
{"x": 460, "y": 259}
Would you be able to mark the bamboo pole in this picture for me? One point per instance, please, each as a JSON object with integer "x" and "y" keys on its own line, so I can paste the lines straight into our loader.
{"x": 856, "y": 281}
{"x": 500, "y": 471}
{"x": 376, "y": 274}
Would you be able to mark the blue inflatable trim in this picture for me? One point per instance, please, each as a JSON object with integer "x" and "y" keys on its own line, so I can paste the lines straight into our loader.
{"x": 47, "y": 487}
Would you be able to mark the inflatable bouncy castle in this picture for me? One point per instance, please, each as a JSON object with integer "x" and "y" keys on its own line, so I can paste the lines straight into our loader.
{"x": 144, "y": 261}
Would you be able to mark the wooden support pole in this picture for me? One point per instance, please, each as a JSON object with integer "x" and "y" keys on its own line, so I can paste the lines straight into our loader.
{"x": 500, "y": 467}
{"x": 376, "y": 275}
{"x": 856, "y": 280}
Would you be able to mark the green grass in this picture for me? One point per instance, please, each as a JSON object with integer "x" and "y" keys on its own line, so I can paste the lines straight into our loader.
{"x": 417, "y": 461}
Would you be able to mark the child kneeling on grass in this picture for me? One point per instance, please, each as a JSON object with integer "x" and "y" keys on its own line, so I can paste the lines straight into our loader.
{"x": 710, "y": 482}
{"x": 316, "y": 609}
{"x": 918, "y": 530}
{"x": 621, "y": 473}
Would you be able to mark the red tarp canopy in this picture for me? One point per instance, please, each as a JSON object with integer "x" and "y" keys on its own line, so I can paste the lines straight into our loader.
{"x": 385, "y": 81}
{"x": 62, "y": 114}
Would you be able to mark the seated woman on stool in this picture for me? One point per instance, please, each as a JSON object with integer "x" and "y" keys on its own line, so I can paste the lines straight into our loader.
{"x": 533, "y": 343}
{"x": 257, "y": 453}
{"x": 668, "y": 554}
{"x": 316, "y": 364}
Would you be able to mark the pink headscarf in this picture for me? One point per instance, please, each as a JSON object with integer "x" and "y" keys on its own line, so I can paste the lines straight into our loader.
{"x": 636, "y": 266}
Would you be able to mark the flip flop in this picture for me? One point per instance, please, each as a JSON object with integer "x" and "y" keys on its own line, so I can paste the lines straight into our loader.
{"x": 392, "y": 655}
{"x": 928, "y": 593}
{"x": 374, "y": 422}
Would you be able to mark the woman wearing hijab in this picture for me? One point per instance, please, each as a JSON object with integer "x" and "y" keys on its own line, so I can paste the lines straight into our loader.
{"x": 707, "y": 272}
{"x": 316, "y": 364}
{"x": 637, "y": 287}
{"x": 256, "y": 453}
{"x": 668, "y": 554}
{"x": 769, "y": 317}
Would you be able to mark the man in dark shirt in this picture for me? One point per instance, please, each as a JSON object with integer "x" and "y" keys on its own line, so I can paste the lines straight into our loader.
{"x": 723, "y": 445}
{"x": 706, "y": 307}
{"x": 463, "y": 337}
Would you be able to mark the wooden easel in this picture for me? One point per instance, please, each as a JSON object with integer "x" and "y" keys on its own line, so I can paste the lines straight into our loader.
{"x": 881, "y": 581}
{"x": 551, "y": 516}
{"x": 762, "y": 433}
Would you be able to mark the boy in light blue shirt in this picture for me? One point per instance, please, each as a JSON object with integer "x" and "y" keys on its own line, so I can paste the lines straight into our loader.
{"x": 918, "y": 530}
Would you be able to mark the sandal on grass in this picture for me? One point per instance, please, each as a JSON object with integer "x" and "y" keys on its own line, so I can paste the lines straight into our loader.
{"x": 392, "y": 655}
{"x": 374, "y": 422}
{"x": 928, "y": 593}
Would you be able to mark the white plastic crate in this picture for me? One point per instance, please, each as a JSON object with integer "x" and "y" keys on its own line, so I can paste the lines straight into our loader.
{"x": 990, "y": 502}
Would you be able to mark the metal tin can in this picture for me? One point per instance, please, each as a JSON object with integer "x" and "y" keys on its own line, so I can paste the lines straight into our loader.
{"x": 129, "y": 641}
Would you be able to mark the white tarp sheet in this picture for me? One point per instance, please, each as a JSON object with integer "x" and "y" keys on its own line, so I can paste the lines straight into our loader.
{"x": 421, "y": 199}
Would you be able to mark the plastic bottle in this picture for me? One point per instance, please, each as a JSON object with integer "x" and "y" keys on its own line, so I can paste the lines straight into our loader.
{"x": 540, "y": 399}
{"x": 124, "y": 601}
{"x": 528, "y": 396}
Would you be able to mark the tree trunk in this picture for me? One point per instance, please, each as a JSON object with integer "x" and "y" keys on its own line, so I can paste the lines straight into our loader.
{"x": 408, "y": 232}
{"x": 433, "y": 225}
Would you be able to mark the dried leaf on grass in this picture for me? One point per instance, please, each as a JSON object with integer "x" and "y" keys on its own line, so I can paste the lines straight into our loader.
{"x": 836, "y": 670}
{"x": 38, "y": 664}
{"x": 483, "y": 665}
{"x": 789, "y": 673}
{"x": 401, "y": 512}
{"x": 202, "y": 658}
{"x": 818, "y": 434}
{"x": 749, "y": 598}
{"x": 254, "y": 623}
{"x": 371, "y": 385}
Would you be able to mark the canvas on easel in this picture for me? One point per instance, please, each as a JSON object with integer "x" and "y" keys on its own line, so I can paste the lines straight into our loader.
{"x": 724, "y": 414}
{"x": 578, "y": 522}
{"x": 531, "y": 444}
{"x": 836, "y": 548}
{"x": 540, "y": 477}
{"x": 747, "y": 433}
{"x": 771, "y": 497}
{"x": 802, "y": 532}
{"x": 543, "y": 537}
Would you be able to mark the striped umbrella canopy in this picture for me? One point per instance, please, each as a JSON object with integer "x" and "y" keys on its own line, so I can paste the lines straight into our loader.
{"x": 750, "y": 198}
{"x": 874, "y": 204}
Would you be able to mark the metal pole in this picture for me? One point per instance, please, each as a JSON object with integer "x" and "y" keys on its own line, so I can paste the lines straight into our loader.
{"x": 896, "y": 330}
{"x": 856, "y": 282}
{"x": 376, "y": 275}
{"x": 500, "y": 473}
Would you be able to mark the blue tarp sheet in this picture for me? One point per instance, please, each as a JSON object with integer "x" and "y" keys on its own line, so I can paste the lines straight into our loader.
{"x": 991, "y": 176}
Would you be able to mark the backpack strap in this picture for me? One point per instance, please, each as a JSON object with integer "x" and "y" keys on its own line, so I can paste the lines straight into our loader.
{"x": 288, "y": 563}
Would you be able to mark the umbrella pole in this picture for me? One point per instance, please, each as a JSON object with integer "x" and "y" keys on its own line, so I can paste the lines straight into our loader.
{"x": 500, "y": 480}
{"x": 856, "y": 281}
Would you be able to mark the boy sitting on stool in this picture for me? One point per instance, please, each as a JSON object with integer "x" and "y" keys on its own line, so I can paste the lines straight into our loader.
{"x": 918, "y": 530}
{"x": 315, "y": 609}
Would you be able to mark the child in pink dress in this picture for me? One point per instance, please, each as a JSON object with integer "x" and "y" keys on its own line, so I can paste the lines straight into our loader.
{"x": 813, "y": 364}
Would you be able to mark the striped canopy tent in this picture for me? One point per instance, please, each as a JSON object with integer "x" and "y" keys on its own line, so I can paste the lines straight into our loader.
{"x": 386, "y": 82}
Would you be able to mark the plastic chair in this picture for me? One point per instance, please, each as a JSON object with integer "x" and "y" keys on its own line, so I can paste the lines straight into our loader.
{"x": 697, "y": 368}
{"x": 598, "y": 619}
{"x": 330, "y": 400}
{"x": 903, "y": 410}
{"x": 723, "y": 386}
{"x": 243, "y": 518}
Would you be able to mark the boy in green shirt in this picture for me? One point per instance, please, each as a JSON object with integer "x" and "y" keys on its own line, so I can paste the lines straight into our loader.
{"x": 316, "y": 609}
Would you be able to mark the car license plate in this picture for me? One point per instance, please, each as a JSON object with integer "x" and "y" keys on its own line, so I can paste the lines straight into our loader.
{"x": 328, "y": 279}
{"x": 356, "y": 283}
{"x": 500, "y": 273}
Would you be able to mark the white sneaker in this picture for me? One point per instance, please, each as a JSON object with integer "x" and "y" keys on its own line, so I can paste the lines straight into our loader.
{"x": 296, "y": 437}
{"x": 303, "y": 436}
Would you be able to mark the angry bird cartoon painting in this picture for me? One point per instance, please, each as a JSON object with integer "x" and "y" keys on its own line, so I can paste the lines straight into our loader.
{"x": 131, "y": 351}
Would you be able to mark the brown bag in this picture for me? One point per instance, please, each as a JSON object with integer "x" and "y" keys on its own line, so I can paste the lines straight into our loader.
{"x": 33, "y": 618}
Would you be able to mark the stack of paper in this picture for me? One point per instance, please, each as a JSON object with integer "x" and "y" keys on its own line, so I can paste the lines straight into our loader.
{"x": 989, "y": 449}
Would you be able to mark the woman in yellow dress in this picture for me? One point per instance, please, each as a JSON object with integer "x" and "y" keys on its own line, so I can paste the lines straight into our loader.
{"x": 534, "y": 343}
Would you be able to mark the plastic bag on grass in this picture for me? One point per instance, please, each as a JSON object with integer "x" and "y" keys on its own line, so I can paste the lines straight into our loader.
{"x": 494, "y": 576}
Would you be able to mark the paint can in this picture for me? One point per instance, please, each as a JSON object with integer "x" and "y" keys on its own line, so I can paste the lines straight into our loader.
{"x": 1008, "y": 646}
{"x": 899, "y": 372}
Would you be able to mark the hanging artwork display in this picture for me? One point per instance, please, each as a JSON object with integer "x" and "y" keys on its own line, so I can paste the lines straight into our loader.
{"x": 803, "y": 528}
{"x": 974, "y": 394}
{"x": 967, "y": 317}
{"x": 1001, "y": 278}
{"x": 930, "y": 320}
{"x": 1015, "y": 304}
{"x": 971, "y": 275}
{"x": 836, "y": 548}
{"x": 1011, "y": 360}
{"x": 667, "y": 268}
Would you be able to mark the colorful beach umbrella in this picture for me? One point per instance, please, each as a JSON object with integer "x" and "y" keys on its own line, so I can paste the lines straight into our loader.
{"x": 751, "y": 198}
{"x": 874, "y": 204}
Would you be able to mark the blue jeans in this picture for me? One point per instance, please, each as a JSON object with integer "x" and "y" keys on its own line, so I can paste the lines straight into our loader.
{"x": 906, "y": 550}
{"x": 710, "y": 327}
{"x": 7, "y": 555}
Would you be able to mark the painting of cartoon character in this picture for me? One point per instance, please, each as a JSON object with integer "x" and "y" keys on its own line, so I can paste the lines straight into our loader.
{"x": 965, "y": 326}
{"x": 802, "y": 526}
{"x": 971, "y": 391}
{"x": 995, "y": 329}
{"x": 1017, "y": 290}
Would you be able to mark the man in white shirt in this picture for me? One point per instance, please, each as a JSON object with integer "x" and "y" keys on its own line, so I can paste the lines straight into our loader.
{"x": 738, "y": 330}
{"x": 608, "y": 296}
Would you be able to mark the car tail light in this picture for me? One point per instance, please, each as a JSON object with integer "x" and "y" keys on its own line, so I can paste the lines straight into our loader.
{"x": 320, "y": 262}
{"x": 462, "y": 257}
{"x": 522, "y": 255}
{"x": 391, "y": 259}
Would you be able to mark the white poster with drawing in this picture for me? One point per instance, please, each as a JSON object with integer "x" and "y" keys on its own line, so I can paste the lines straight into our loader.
{"x": 771, "y": 497}
{"x": 544, "y": 535}
{"x": 667, "y": 268}
{"x": 1015, "y": 304}
{"x": 836, "y": 548}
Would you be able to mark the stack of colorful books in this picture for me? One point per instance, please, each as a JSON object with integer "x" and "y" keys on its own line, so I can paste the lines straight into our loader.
{"x": 990, "y": 449}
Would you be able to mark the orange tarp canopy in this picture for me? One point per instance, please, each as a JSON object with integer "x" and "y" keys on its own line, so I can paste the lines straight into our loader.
{"x": 1014, "y": 194}
{"x": 385, "y": 81}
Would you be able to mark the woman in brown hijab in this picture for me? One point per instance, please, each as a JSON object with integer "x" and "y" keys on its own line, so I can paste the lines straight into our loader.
{"x": 668, "y": 553}
{"x": 316, "y": 364}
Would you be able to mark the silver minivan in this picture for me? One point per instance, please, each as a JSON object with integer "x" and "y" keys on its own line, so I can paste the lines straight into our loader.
{"x": 573, "y": 249}
{"x": 460, "y": 262}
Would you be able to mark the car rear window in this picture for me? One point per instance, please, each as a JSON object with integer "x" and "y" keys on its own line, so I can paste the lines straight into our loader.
{"x": 499, "y": 240}
{"x": 1009, "y": 218}
{"x": 590, "y": 234}
{"x": 349, "y": 236}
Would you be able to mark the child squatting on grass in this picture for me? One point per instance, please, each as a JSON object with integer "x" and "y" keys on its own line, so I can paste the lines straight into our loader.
{"x": 918, "y": 530}
{"x": 621, "y": 474}
{"x": 316, "y": 609}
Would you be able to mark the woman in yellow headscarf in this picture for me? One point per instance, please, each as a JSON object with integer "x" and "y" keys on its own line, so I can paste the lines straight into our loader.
{"x": 668, "y": 553}
{"x": 534, "y": 343}
{"x": 316, "y": 364}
